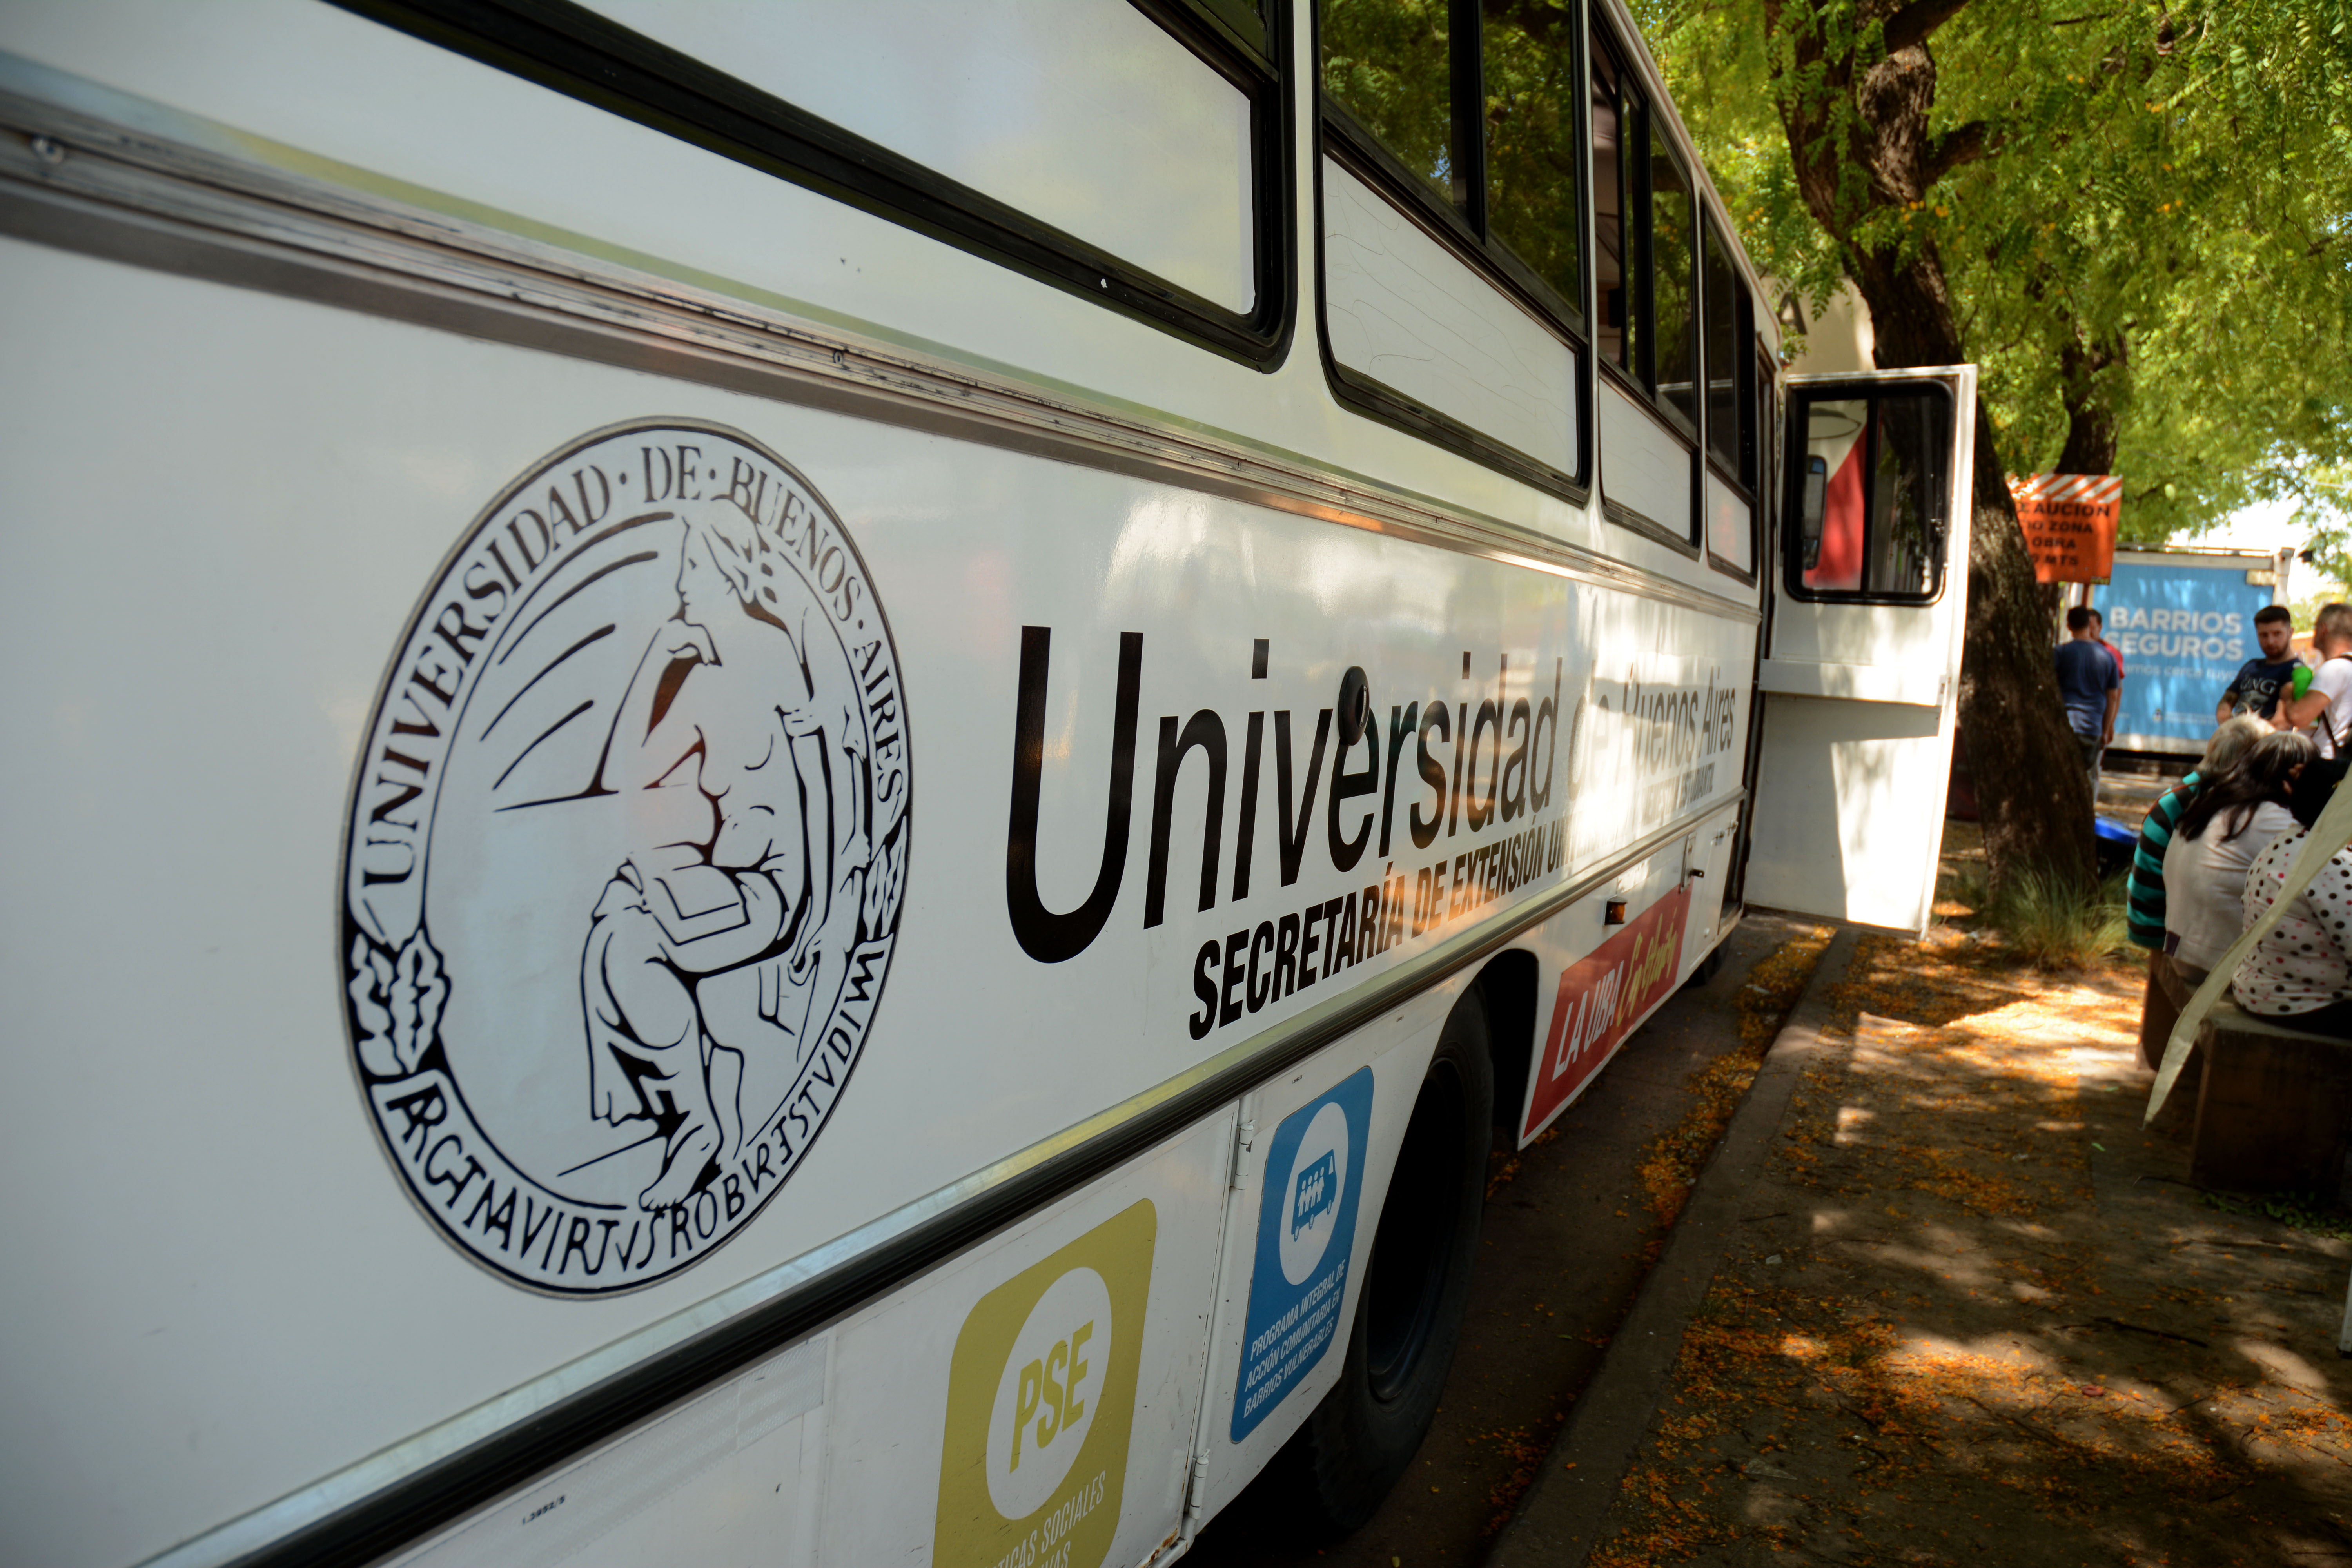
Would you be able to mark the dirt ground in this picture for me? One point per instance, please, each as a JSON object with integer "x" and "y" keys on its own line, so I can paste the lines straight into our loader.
{"x": 1980, "y": 1314}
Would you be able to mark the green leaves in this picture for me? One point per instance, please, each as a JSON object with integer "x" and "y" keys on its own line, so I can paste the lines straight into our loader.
{"x": 2153, "y": 237}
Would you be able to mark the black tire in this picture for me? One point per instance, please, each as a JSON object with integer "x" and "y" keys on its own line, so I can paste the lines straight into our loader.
{"x": 1337, "y": 1468}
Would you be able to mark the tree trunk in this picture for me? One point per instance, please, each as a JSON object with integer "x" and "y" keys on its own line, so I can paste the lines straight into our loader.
{"x": 2091, "y": 424}
{"x": 2038, "y": 813}
{"x": 1862, "y": 147}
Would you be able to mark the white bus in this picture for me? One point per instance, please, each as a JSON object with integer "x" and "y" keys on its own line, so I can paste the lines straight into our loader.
{"x": 803, "y": 783}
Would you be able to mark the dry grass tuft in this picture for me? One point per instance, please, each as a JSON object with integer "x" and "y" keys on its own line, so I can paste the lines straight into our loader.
{"x": 2054, "y": 922}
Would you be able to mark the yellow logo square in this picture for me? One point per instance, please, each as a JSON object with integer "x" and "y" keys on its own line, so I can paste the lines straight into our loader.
{"x": 1041, "y": 1401}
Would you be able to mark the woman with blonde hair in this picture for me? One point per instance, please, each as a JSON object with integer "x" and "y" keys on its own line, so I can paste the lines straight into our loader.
{"x": 2144, "y": 892}
{"x": 2233, "y": 819}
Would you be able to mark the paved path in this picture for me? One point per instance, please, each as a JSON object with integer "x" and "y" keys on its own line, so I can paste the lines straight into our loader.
{"x": 1958, "y": 1307}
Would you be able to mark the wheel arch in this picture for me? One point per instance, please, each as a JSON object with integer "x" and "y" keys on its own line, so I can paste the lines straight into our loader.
{"x": 1508, "y": 986}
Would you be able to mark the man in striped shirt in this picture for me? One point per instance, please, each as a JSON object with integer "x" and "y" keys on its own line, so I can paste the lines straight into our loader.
{"x": 2168, "y": 993}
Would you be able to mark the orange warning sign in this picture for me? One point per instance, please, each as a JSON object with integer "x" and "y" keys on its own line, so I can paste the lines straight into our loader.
{"x": 2070, "y": 524}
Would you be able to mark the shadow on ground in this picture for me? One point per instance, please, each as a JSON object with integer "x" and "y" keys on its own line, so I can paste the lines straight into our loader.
{"x": 1976, "y": 1312}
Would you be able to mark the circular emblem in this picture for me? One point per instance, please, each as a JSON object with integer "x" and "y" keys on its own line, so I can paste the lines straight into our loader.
{"x": 627, "y": 849}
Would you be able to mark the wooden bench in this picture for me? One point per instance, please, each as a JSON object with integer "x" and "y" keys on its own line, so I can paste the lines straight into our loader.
{"x": 2275, "y": 1110}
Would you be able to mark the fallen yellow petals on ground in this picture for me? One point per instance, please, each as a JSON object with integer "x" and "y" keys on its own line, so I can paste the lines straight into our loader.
{"x": 1979, "y": 1315}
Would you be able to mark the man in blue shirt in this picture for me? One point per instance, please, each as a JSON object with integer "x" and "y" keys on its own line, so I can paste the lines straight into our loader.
{"x": 2091, "y": 689}
{"x": 2256, "y": 686}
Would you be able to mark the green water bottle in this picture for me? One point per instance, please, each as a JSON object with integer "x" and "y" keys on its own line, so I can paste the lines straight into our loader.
{"x": 2300, "y": 681}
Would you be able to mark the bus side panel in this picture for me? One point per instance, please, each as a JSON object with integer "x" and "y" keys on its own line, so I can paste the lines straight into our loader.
{"x": 1042, "y": 1389}
{"x": 733, "y": 1478}
{"x": 1288, "y": 1301}
{"x": 1300, "y": 1235}
{"x": 1036, "y": 1396}
{"x": 237, "y": 515}
{"x": 230, "y": 552}
{"x": 1599, "y": 979}
{"x": 812, "y": 1444}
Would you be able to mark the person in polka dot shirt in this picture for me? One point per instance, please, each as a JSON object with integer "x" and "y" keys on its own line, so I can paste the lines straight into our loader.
{"x": 2300, "y": 974}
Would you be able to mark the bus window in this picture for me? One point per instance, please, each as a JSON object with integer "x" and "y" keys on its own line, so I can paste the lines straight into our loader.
{"x": 1453, "y": 254}
{"x": 1675, "y": 344}
{"x": 1111, "y": 106}
{"x": 1533, "y": 195}
{"x": 1613, "y": 261}
{"x": 1871, "y": 500}
{"x": 1390, "y": 66}
{"x": 1731, "y": 367}
{"x": 1646, "y": 264}
{"x": 1754, "y": 463}
{"x": 1726, "y": 366}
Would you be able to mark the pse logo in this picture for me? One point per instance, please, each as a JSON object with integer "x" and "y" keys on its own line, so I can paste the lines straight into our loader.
{"x": 1045, "y": 1399}
{"x": 1305, "y": 1239}
{"x": 1041, "y": 1402}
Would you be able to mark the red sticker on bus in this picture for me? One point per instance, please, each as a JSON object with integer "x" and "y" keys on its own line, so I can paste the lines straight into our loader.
{"x": 1601, "y": 995}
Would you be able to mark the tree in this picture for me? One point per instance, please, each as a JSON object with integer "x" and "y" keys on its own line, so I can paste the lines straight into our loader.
{"x": 1856, "y": 87}
{"x": 2147, "y": 258}
{"x": 2129, "y": 218}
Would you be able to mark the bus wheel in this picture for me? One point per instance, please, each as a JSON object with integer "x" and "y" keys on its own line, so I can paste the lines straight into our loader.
{"x": 1361, "y": 1438}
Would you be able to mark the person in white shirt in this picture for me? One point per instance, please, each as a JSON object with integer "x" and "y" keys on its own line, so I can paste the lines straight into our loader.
{"x": 2299, "y": 974}
{"x": 2326, "y": 710}
{"x": 2233, "y": 820}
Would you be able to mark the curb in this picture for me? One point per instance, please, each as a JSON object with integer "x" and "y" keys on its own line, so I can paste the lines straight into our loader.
{"x": 1559, "y": 1522}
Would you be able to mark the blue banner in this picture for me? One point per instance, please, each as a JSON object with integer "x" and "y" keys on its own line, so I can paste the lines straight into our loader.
{"x": 2183, "y": 631}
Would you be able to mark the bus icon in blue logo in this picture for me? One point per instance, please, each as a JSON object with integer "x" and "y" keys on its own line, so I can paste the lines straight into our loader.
{"x": 1306, "y": 1246}
{"x": 1316, "y": 1194}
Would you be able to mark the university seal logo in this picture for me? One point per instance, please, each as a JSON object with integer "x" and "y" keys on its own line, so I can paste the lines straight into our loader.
{"x": 627, "y": 849}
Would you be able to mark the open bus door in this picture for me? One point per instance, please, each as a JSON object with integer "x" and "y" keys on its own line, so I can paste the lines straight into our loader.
{"x": 1859, "y": 683}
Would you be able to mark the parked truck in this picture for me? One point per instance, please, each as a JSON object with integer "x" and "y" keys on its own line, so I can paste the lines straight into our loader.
{"x": 2183, "y": 618}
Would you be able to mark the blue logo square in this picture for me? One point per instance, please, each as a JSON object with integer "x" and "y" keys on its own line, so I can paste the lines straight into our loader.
{"x": 1306, "y": 1238}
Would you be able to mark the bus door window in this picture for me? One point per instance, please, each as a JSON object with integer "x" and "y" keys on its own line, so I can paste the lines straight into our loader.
{"x": 1908, "y": 494}
{"x": 1870, "y": 498}
{"x": 1830, "y": 513}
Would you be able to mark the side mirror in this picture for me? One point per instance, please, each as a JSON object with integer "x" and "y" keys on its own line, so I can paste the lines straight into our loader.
{"x": 1816, "y": 501}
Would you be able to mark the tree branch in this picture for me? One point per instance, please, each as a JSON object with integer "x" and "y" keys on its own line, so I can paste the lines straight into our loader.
{"x": 1540, "y": 22}
{"x": 1914, "y": 23}
{"x": 1962, "y": 145}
